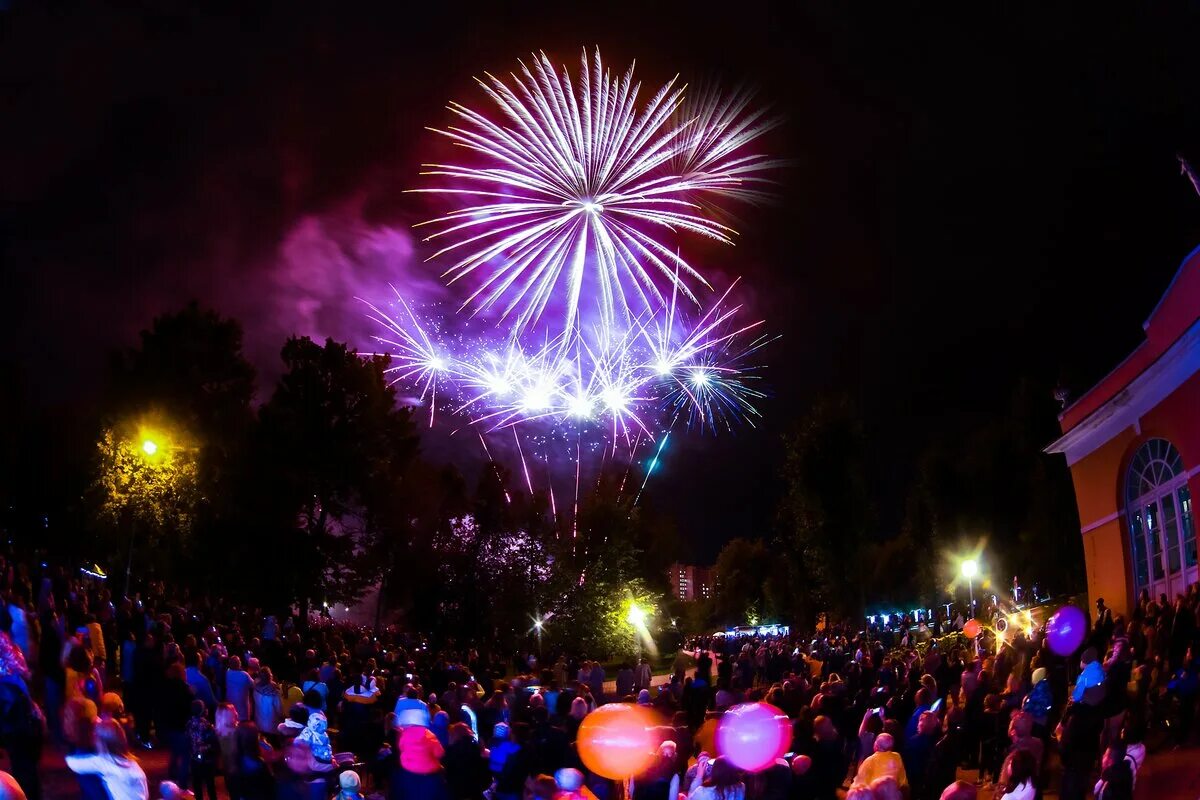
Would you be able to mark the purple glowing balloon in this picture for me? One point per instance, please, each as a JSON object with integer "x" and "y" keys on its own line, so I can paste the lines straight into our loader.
{"x": 1066, "y": 630}
{"x": 753, "y": 735}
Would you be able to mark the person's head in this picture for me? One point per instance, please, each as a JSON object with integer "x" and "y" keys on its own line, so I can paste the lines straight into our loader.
{"x": 884, "y": 743}
{"x": 318, "y": 723}
{"x": 859, "y": 791}
{"x": 112, "y": 705}
{"x": 1089, "y": 655}
{"x": 1133, "y": 733}
{"x": 928, "y": 724}
{"x": 801, "y": 765}
{"x": 569, "y": 780}
{"x": 460, "y": 731}
{"x": 264, "y": 676}
{"x": 80, "y": 659}
{"x": 226, "y": 718}
{"x": 578, "y": 708}
{"x": 823, "y": 729}
{"x": 349, "y": 783}
{"x": 1115, "y": 754}
{"x": 1019, "y": 768}
{"x": 235, "y": 663}
{"x": 1021, "y": 725}
{"x": 299, "y": 714}
{"x": 313, "y": 699}
{"x": 110, "y": 740}
{"x": 541, "y": 787}
{"x": 886, "y": 788}
{"x": 923, "y": 697}
{"x": 960, "y": 790}
{"x": 724, "y": 774}
{"x": 198, "y": 708}
{"x": 1099, "y": 603}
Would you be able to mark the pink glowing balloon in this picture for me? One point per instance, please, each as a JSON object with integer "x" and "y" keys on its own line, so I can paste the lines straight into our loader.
{"x": 753, "y": 735}
{"x": 1066, "y": 630}
{"x": 971, "y": 629}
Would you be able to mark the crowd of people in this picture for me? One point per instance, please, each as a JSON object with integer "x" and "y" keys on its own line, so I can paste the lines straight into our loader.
{"x": 284, "y": 707}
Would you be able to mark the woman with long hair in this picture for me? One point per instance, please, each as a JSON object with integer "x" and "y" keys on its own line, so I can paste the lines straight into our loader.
{"x": 1017, "y": 776}
{"x": 226, "y": 728}
{"x": 119, "y": 770}
{"x": 717, "y": 780}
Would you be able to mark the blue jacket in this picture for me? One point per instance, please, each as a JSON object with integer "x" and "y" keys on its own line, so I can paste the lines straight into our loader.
{"x": 201, "y": 687}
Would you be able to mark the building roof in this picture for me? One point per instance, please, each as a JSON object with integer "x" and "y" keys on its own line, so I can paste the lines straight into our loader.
{"x": 1169, "y": 356}
{"x": 1175, "y": 313}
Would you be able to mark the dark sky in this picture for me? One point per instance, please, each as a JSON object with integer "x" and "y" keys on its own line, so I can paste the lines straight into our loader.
{"x": 977, "y": 193}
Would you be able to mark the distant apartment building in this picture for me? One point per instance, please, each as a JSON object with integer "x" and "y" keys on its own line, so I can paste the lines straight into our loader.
{"x": 689, "y": 582}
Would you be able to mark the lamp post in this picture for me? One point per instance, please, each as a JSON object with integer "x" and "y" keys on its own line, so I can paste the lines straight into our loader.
{"x": 149, "y": 449}
{"x": 970, "y": 568}
{"x": 637, "y": 619}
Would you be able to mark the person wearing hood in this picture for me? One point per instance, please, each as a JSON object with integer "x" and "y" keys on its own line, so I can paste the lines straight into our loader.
{"x": 316, "y": 736}
{"x": 268, "y": 702}
{"x": 420, "y": 776}
{"x": 297, "y": 721}
{"x": 349, "y": 786}
{"x": 1092, "y": 675}
{"x": 1040, "y": 700}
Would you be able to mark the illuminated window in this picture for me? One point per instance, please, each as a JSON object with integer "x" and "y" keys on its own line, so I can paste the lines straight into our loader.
{"x": 1158, "y": 513}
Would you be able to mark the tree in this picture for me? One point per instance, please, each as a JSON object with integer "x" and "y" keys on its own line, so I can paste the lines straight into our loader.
{"x": 146, "y": 486}
{"x": 826, "y": 513}
{"x": 741, "y": 572}
{"x": 332, "y": 446}
{"x": 994, "y": 488}
{"x": 187, "y": 387}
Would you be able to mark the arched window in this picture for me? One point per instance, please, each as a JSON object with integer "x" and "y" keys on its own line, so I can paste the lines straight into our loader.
{"x": 1158, "y": 509}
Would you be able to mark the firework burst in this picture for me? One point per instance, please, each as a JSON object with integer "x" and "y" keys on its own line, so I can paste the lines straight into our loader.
{"x": 572, "y": 202}
{"x": 571, "y": 196}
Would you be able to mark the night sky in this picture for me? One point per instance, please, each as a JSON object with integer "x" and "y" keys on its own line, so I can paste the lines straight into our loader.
{"x": 976, "y": 195}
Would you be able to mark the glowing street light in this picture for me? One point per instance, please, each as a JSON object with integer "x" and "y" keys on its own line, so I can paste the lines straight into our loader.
{"x": 637, "y": 615}
{"x": 149, "y": 447}
{"x": 970, "y": 568}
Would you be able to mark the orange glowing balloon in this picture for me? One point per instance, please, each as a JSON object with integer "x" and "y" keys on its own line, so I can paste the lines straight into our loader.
{"x": 617, "y": 741}
{"x": 971, "y": 629}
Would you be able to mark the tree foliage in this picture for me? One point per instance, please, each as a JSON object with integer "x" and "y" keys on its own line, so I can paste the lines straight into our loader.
{"x": 826, "y": 513}
{"x": 159, "y": 493}
{"x": 332, "y": 445}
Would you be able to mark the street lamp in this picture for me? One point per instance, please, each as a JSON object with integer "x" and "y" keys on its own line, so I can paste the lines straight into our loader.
{"x": 539, "y": 623}
{"x": 970, "y": 568}
{"x": 149, "y": 447}
{"x": 637, "y": 619}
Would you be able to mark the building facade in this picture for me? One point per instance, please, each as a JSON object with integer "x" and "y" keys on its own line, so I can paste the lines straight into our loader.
{"x": 689, "y": 582}
{"x": 1132, "y": 443}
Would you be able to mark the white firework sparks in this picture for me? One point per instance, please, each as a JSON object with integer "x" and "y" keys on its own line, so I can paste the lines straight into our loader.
{"x": 581, "y": 191}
